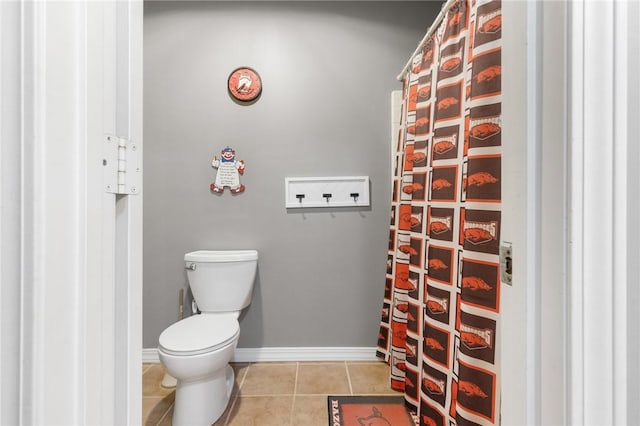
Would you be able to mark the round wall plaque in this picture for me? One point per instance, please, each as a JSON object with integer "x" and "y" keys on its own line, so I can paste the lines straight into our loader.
{"x": 244, "y": 84}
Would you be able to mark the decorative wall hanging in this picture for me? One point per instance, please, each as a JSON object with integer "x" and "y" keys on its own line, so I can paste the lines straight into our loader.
{"x": 440, "y": 327}
{"x": 229, "y": 171}
{"x": 244, "y": 84}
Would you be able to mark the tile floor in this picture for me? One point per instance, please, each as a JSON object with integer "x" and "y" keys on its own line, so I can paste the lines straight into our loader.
{"x": 278, "y": 393}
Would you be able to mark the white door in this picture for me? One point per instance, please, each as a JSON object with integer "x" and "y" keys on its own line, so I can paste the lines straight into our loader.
{"x": 72, "y": 277}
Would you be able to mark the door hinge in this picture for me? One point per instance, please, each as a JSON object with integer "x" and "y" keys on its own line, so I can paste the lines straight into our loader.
{"x": 120, "y": 165}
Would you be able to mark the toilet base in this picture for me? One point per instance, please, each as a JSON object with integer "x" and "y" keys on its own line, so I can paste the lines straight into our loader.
{"x": 194, "y": 404}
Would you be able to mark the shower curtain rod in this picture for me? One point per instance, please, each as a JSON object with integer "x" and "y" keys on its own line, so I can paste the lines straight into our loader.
{"x": 432, "y": 28}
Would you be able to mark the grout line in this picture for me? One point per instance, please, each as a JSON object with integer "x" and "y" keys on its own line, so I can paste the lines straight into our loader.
{"x": 325, "y": 394}
{"x": 346, "y": 367}
{"x": 295, "y": 392}
{"x": 232, "y": 405}
{"x": 165, "y": 414}
{"x": 295, "y": 382}
{"x": 234, "y": 398}
{"x": 244, "y": 377}
{"x": 229, "y": 409}
{"x": 266, "y": 395}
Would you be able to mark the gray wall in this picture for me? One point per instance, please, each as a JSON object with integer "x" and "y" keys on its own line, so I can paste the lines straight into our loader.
{"x": 328, "y": 69}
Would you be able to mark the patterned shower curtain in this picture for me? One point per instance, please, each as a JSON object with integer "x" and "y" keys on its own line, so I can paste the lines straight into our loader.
{"x": 440, "y": 328}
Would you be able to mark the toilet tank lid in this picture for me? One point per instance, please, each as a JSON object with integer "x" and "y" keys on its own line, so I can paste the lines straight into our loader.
{"x": 221, "y": 256}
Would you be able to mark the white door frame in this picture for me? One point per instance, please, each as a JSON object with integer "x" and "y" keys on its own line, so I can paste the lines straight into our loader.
{"x": 573, "y": 200}
{"x": 74, "y": 337}
{"x": 79, "y": 321}
{"x": 604, "y": 187}
{"x": 128, "y": 215}
{"x": 534, "y": 215}
{"x": 10, "y": 218}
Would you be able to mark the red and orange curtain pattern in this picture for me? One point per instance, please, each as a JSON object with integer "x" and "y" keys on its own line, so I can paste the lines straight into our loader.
{"x": 440, "y": 326}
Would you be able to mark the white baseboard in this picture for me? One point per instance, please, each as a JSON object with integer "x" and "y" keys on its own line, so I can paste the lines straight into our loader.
{"x": 150, "y": 355}
{"x": 305, "y": 354}
{"x": 289, "y": 354}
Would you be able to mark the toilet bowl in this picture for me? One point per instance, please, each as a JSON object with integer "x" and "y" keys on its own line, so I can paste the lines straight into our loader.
{"x": 196, "y": 351}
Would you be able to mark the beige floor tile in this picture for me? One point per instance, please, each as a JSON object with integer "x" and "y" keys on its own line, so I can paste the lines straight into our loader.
{"x": 269, "y": 379}
{"x": 166, "y": 420}
{"x": 264, "y": 392}
{"x": 222, "y": 421}
{"x": 322, "y": 379}
{"x": 261, "y": 411}
{"x": 370, "y": 378}
{"x": 168, "y": 415}
{"x": 309, "y": 411}
{"x": 240, "y": 371}
{"x": 153, "y": 408}
{"x": 151, "y": 382}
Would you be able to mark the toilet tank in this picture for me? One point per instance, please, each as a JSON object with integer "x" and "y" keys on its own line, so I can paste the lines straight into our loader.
{"x": 221, "y": 280}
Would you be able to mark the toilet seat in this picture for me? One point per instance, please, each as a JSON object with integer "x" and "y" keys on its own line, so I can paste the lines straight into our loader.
{"x": 199, "y": 334}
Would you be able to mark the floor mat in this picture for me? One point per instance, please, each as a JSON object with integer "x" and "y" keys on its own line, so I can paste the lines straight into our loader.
{"x": 350, "y": 410}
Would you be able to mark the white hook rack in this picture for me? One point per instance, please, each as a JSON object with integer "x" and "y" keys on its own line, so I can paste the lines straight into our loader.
{"x": 339, "y": 191}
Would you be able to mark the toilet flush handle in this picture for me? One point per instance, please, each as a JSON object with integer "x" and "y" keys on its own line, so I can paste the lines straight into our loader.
{"x": 192, "y": 267}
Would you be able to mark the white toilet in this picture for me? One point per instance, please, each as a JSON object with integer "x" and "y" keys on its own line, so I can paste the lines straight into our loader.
{"x": 197, "y": 350}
